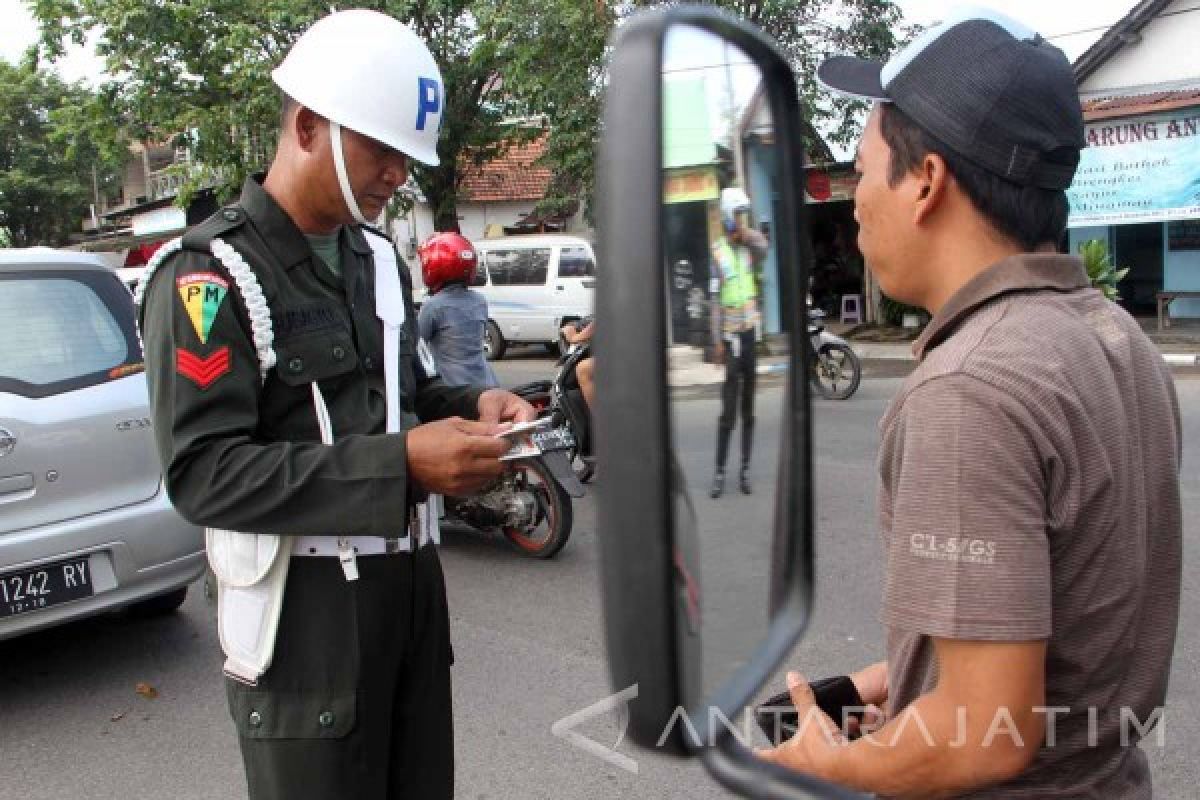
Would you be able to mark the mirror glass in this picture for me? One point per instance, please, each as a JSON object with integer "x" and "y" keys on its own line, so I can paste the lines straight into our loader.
{"x": 727, "y": 353}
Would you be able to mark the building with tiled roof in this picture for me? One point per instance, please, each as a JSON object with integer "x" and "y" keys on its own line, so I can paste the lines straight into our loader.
{"x": 496, "y": 198}
{"x": 1138, "y": 179}
{"x": 513, "y": 176}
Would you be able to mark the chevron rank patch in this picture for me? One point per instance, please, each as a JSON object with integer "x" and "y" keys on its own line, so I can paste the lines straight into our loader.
{"x": 202, "y": 371}
{"x": 202, "y": 294}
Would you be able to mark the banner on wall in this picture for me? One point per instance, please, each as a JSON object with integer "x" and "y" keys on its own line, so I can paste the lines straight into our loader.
{"x": 1140, "y": 169}
{"x": 691, "y": 185}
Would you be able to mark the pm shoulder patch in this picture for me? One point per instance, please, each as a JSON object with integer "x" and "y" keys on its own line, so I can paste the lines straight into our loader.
{"x": 202, "y": 371}
{"x": 202, "y": 294}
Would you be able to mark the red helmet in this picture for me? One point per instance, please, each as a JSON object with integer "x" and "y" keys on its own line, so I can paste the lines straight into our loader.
{"x": 446, "y": 258}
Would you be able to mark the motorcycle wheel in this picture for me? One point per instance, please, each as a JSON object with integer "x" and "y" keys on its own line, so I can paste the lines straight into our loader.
{"x": 836, "y": 371}
{"x": 553, "y": 528}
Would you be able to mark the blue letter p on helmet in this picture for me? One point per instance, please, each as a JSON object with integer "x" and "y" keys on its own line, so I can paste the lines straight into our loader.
{"x": 429, "y": 100}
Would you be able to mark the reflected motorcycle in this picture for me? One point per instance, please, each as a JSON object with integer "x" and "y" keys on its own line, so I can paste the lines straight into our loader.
{"x": 835, "y": 368}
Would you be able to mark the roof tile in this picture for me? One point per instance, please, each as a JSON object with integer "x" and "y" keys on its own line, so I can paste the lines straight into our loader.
{"x": 1149, "y": 103}
{"x": 510, "y": 176}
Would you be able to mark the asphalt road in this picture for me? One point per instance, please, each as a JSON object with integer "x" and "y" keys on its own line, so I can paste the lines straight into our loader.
{"x": 528, "y": 640}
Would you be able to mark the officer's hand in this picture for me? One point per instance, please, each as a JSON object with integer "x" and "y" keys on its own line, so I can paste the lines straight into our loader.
{"x": 498, "y": 405}
{"x": 455, "y": 456}
{"x": 719, "y": 353}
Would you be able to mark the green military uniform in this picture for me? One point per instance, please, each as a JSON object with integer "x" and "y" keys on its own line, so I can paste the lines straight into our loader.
{"x": 356, "y": 702}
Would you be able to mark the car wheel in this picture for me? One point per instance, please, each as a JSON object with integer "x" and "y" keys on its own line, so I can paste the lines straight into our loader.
{"x": 493, "y": 342}
{"x": 161, "y": 605}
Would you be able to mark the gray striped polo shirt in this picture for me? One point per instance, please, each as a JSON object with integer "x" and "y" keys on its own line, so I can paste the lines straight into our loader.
{"x": 1029, "y": 491}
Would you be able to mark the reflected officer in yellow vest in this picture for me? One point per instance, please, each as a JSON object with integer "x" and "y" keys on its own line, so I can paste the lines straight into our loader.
{"x": 736, "y": 257}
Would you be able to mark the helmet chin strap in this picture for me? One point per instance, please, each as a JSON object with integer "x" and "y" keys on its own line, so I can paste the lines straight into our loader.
{"x": 339, "y": 163}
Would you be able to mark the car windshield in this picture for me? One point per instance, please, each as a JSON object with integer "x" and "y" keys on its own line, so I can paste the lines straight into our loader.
{"x": 55, "y": 329}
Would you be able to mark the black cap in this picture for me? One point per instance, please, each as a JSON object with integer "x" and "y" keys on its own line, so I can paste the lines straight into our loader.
{"x": 990, "y": 89}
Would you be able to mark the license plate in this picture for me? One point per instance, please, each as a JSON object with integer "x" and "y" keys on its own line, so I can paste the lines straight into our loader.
{"x": 48, "y": 585}
{"x": 551, "y": 441}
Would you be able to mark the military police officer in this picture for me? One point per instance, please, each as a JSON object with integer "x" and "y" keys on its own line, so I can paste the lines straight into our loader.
{"x": 294, "y": 405}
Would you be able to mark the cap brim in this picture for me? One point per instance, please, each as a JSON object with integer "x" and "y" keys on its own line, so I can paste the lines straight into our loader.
{"x": 851, "y": 76}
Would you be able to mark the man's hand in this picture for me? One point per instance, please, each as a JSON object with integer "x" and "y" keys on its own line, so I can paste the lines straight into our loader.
{"x": 719, "y": 353}
{"x": 872, "y": 685}
{"x": 498, "y": 405}
{"x": 455, "y": 456}
{"x": 817, "y": 736}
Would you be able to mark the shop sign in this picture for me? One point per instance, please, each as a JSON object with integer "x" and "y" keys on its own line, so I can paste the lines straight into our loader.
{"x": 1141, "y": 169}
{"x": 691, "y": 185}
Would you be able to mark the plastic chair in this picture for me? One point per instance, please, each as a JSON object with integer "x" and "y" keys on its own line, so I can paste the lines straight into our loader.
{"x": 851, "y": 308}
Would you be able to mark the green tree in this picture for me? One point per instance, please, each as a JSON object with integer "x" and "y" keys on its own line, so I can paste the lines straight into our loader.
{"x": 557, "y": 68}
{"x": 809, "y": 31}
{"x": 556, "y": 72}
{"x": 200, "y": 70}
{"x": 57, "y": 142}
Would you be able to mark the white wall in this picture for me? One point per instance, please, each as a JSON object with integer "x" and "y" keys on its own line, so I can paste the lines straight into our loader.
{"x": 1166, "y": 54}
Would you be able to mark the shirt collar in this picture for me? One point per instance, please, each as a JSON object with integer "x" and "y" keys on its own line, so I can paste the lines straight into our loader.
{"x": 1024, "y": 272}
{"x": 288, "y": 242}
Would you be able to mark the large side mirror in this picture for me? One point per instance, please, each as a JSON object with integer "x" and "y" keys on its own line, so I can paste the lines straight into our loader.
{"x": 702, "y": 234}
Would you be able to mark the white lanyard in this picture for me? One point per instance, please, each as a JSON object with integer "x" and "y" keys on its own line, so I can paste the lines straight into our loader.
{"x": 389, "y": 307}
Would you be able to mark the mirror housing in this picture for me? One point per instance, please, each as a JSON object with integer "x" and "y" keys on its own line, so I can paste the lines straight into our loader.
{"x": 648, "y": 590}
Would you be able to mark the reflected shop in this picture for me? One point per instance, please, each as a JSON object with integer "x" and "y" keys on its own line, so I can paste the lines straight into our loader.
{"x": 1138, "y": 191}
{"x": 717, "y": 134}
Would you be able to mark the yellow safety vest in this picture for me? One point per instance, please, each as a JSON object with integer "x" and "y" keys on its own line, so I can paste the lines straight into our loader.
{"x": 738, "y": 288}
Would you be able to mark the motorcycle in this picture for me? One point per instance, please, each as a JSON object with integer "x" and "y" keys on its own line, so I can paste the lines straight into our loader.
{"x": 562, "y": 400}
{"x": 836, "y": 370}
{"x": 530, "y": 504}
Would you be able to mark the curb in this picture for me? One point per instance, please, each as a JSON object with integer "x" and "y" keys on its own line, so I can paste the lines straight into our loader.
{"x": 709, "y": 375}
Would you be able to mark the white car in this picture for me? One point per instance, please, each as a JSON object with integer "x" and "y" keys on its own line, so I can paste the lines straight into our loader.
{"x": 85, "y": 522}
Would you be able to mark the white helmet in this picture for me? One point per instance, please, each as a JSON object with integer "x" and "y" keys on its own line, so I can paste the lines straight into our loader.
{"x": 368, "y": 72}
{"x": 733, "y": 200}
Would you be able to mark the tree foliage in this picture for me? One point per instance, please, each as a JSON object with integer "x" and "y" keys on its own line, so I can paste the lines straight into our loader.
{"x": 808, "y": 32}
{"x": 56, "y": 139}
{"x": 558, "y": 67}
{"x": 556, "y": 72}
{"x": 200, "y": 70}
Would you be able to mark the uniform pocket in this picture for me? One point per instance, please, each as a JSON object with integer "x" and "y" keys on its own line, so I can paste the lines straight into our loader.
{"x": 291, "y": 715}
{"x": 315, "y": 357}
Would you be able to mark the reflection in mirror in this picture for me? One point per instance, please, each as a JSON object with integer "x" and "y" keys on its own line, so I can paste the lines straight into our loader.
{"x": 727, "y": 353}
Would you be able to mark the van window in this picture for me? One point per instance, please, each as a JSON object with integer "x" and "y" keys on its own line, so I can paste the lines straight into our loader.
{"x": 576, "y": 262}
{"x": 523, "y": 266}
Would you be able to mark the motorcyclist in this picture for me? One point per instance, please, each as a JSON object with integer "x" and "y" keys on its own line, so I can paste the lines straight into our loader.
{"x": 578, "y": 333}
{"x": 454, "y": 317}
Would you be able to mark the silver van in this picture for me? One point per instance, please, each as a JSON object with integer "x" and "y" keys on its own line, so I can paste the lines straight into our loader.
{"x": 85, "y": 522}
{"x": 534, "y": 284}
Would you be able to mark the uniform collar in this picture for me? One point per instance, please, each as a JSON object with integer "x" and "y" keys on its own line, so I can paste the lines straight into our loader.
{"x": 288, "y": 242}
{"x": 1024, "y": 272}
